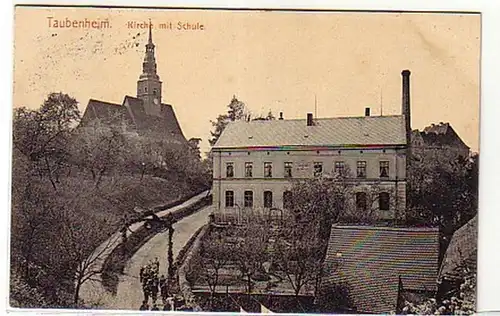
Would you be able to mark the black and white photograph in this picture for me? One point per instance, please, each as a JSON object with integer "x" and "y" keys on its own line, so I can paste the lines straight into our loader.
{"x": 244, "y": 160}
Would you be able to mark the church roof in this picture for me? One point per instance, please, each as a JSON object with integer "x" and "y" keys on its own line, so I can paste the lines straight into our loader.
{"x": 107, "y": 112}
{"x": 166, "y": 123}
{"x": 441, "y": 134}
{"x": 132, "y": 113}
{"x": 371, "y": 260}
{"x": 342, "y": 131}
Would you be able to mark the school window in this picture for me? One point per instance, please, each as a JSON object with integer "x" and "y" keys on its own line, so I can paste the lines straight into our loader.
{"x": 248, "y": 198}
{"x": 287, "y": 199}
{"x": 288, "y": 169}
{"x": 384, "y": 169}
{"x": 361, "y": 201}
{"x": 229, "y": 198}
{"x": 339, "y": 167}
{"x": 361, "y": 169}
{"x": 268, "y": 169}
{"x": 248, "y": 169}
{"x": 229, "y": 170}
{"x": 268, "y": 199}
{"x": 383, "y": 201}
{"x": 318, "y": 169}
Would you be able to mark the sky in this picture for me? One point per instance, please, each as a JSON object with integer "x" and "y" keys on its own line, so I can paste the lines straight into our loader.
{"x": 329, "y": 63}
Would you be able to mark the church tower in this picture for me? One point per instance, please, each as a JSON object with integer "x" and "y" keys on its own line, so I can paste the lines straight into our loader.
{"x": 149, "y": 84}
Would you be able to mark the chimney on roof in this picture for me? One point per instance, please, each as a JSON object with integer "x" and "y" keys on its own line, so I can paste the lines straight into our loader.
{"x": 367, "y": 111}
{"x": 281, "y": 115}
{"x": 310, "y": 119}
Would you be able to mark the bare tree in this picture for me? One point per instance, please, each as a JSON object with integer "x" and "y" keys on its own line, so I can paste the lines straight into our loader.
{"x": 215, "y": 256}
{"x": 251, "y": 251}
{"x": 78, "y": 234}
{"x": 298, "y": 255}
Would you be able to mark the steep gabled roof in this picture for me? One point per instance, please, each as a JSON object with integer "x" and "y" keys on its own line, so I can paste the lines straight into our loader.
{"x": 373, "y": 259}
{"x": 163, "y": 125}
{"x": 110, "y": 113}
{"x": 462, "y": 251}
{"x": 442, "y": 134}
{"x": 365, "y": 131}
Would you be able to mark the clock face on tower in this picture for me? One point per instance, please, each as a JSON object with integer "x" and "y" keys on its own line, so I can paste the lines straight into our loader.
{"x": 155, "y": 101}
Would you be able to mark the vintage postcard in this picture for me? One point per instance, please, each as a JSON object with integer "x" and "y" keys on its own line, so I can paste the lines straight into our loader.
{"x": 247, "y": 161}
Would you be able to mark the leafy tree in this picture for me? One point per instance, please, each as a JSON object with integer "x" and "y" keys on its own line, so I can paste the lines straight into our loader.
{"x": 320, "y": 201}
{"x": 444, "y": 191}
{"x": 99, "y": 150}
{"x": 236, "y": 111}
{"x": 42, "y": 134}
{"x": 22, "y": 295}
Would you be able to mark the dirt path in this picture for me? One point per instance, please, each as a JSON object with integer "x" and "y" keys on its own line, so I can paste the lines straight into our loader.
{"x": 92, "y": 291}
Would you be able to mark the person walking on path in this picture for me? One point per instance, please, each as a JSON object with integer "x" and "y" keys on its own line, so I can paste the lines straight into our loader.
{"x": 163, "y": 287}
{"x": 155, "y": 308}
{"x": 154, "y": 289}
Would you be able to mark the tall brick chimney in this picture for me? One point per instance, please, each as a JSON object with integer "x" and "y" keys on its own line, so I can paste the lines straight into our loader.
{"x": 406, "y": 111}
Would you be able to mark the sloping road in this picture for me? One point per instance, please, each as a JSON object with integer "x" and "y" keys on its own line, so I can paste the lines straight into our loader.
{"x": 129, "y": 294}
{"x": 92, "y": 291}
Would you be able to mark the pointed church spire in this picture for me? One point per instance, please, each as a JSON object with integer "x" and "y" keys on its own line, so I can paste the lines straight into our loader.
{"x": 149, "y": 64}
{"x": 150, "y": 40}
{"x": 149, "y": 84}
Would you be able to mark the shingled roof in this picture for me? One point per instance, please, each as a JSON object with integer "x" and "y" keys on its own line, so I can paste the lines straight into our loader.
{"x": 107, "y": 112}
{"x": 342, "y": 131}
{"x": 131, "y": 112}
{"x": 372, "y": 260}
{"x": 165, "y": 124}
{"x": 461, "y": 252}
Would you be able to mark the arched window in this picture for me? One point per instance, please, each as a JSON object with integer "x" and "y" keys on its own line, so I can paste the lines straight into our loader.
{"x": 361, "y": 201}
{"x": 268, "y": 199}
{"x": 287, "y": 199}
{"x": 384, "y": 201}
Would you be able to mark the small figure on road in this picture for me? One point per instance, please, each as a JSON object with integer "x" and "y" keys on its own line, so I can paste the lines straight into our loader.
{"x": 141, "y": 274}
{"x": 144, "y": 306}
{"x": 157, "y": 264}
{"x": 146, "y": 290}
{"x": 155, "y": 308}
{"x": 154, "y": 289}
{"x": 163, "y": 287}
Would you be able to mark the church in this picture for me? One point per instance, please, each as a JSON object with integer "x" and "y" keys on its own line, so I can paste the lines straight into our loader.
{"x": 145, "y": 115}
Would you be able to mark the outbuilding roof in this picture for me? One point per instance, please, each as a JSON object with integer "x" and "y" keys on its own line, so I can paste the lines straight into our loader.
{"x": 461, "y": 252}
{"x": 342, "y": 131}
{"x": 373, "y": 261}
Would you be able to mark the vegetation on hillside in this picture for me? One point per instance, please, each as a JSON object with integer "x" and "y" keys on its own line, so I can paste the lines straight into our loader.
{"x": 73, "y": 187}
